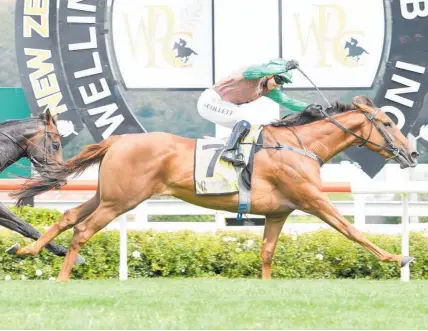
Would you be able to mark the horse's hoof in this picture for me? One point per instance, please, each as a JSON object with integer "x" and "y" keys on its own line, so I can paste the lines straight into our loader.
{"x": 62, "y": 281}
{"x": 13, "y": 250}
{"x": 80, "y": 260}
{"x": 406, "y": 261}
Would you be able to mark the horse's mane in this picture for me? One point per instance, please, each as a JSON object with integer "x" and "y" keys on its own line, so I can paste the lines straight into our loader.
{"x": 24, "y": 120}
{"x": 311, "y": 114}
{"x": 13, "y": 122}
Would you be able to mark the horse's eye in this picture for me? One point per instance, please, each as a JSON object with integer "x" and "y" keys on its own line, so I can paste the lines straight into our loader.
{"x": 55, "y": 145}
{"x": 388, "y": 125}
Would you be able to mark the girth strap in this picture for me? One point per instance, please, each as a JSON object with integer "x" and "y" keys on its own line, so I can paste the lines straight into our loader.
{"x": 244, "y": 195}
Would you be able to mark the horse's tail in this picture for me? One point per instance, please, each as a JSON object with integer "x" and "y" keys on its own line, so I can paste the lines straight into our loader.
{"x": 56, "y": 176}
{"x": 194, "y": 52}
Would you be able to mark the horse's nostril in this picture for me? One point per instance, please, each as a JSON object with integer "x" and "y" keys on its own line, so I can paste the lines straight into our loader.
{"x": 414, "y": 155}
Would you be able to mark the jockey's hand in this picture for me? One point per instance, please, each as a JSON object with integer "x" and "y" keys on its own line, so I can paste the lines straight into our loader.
{"x": 292, "y": 64}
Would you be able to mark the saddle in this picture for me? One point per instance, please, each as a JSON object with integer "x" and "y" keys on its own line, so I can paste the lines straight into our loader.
{"x": 213, "y": 176}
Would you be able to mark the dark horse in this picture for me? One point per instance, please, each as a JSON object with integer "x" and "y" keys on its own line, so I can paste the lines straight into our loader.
{"x": 134, "y": 167}
{"x": 36, "y": 138}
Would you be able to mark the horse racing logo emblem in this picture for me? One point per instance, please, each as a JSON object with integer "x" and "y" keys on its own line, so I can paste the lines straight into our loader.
{"x": 354, "y": 51}
{"x": 332, "y": 41}
{"x": 183, "y": 52}
{"x": 154, "y": 39}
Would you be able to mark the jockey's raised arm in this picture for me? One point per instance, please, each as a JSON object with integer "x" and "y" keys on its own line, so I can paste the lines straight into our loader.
{"x": 224, "y": 103}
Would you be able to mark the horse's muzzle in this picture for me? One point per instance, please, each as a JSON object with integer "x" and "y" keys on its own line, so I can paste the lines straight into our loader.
{"x": 406, "y": 159}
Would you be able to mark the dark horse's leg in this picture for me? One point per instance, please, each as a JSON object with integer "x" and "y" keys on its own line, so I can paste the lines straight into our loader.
{"x": 14, "y": 223}
{"x": 67, "y": 221}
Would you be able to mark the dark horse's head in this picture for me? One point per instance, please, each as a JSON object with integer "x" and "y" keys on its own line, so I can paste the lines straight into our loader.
{"x": 36, "y": 138}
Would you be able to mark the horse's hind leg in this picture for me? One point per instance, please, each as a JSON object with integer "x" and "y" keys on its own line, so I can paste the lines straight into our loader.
{"x": 69, "y": 219}
{"x": 102, "y": 216}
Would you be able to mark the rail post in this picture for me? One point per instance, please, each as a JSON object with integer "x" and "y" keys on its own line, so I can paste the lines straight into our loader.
{"x": 405, "y": 271}
{"x": 359, "y": 211}
{"x": 123, "y": 265}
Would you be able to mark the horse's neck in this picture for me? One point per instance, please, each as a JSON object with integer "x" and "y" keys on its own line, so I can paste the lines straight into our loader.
{"x": 323, "y": 137}
{"x": 327, "y": 140}
{"x": 9, "y": 154}
{"x": 9, "y": 151}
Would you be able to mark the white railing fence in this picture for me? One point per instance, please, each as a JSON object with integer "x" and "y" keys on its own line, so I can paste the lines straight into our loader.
{"x": 360, "y": 208}
{"x": 405, "y": 209}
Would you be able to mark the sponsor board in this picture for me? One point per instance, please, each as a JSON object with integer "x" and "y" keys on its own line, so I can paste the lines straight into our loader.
{"x": 164, "y": 43}
{"x": 339, "y": 42}
{"x": 40, "y": 65}
{"x": 64, "y": 64}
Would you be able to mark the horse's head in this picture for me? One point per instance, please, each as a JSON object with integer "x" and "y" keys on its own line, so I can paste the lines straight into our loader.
{"x": 383, "y": 136}
{"x": 43, "y": 146}
{"x": 347, "y": 44}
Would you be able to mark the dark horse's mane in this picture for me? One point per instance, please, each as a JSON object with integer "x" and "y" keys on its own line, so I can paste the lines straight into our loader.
{"x": 24, "y": 120}
{"x": 311, "y": 114}
{"x": 13, "y": 122}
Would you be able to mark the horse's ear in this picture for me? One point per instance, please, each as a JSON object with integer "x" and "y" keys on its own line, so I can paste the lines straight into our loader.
{"x": 364, "y": 104}
{"x": 370, "y": 102}
{"x": 47, "y": 116}
{"x": 359, "y": 100}
{"x": 363, "y": 100}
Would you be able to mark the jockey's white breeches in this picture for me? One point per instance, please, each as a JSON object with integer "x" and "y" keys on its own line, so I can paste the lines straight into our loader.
{"x": 214, "y": 109}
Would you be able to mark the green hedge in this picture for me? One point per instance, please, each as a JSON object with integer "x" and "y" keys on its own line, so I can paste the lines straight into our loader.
{"x": 322, "y": 254}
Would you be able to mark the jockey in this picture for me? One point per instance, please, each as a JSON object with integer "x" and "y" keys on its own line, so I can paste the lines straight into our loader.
{"x": 221, "y": 104}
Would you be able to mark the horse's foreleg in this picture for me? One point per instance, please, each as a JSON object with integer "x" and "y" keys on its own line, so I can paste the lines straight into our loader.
{"x": 14, "y": 223}
{"x": 68, "y": 220}
{"x": 272, "y": 230}
{"x": 322, "y": 207}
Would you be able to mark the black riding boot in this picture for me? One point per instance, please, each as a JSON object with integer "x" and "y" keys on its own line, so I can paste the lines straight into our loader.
{"x": 231, "y": 152}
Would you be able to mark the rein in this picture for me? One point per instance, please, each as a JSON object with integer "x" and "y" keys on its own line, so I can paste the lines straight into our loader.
{"x": 389, "y": 146}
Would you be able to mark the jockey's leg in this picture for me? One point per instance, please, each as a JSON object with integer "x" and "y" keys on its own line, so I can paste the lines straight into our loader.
{"x": 214, "y": 109}
{"x": 231, "y": 152}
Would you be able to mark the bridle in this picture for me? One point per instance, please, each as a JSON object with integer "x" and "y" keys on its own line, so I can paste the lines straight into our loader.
{"x": 28, "y": 153}
{"x": 389, "y": 146}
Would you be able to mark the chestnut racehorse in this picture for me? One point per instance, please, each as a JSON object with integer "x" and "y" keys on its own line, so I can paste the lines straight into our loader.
{"x": 134, "y": 167}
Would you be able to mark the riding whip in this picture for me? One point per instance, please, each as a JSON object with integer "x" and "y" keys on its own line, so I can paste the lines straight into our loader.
{"x": 322, "y": 95}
